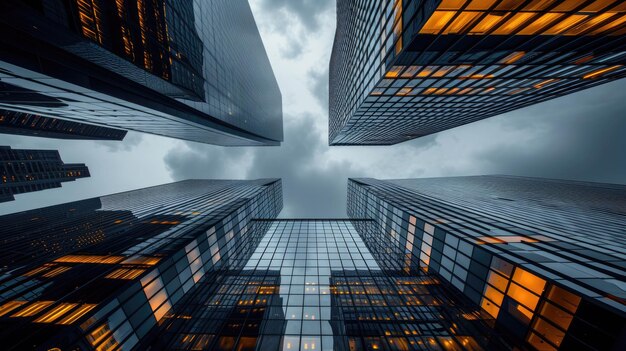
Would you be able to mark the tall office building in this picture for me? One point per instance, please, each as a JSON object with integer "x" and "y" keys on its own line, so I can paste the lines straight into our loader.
{"x": 25, "y": 171}
{"x": 27, "y": 124}
{"x": 544, "y": 258}
{"x": 402, "y": 69}
{"x": 104, "y": 273}
{"x": 313, "y": 285}
{"x": 193, "y": 70}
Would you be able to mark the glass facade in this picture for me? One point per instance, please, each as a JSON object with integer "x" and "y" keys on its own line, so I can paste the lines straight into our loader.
{"x": 188, "y": 69}
{"x": 544, "y": 258}
{"x": 25, "y": 171}
{"x": 401, "y": 69}
{"x": 103, "y": 273}
{"x": 39, "y": 126}
{"x": 314, "y": 285}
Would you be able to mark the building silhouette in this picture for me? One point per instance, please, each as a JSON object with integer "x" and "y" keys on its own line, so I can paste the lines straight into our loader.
{"x": 191, "y": 70}
{"x": 25, "y": 171}
{"x": 402, "y": 69}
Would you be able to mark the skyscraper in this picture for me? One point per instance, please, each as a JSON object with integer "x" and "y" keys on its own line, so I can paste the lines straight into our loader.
{"x": 103, "y": 273}
{"x": 402, "y": 69}
{"x": 25, "y": 171}
{"x": 39, "y": 126}
{"x": 193, "y": 70}
{"x": 313, "y": 285}
{"x": 544, "y": 258}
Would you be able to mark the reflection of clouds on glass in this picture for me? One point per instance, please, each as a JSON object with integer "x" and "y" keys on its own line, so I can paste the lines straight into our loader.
{"x": 307, "y": 253}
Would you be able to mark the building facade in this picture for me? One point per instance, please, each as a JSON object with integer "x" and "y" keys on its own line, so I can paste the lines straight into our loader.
{"x": 313, "y": 285}
{"x": 103, "y": 273}
{"x": 544, "y": 258}
{"x": 402, "y": 69}
{"x": 27, "y": 124}
{"x": 187, "y": 69}
{"x": 25, "y": 171}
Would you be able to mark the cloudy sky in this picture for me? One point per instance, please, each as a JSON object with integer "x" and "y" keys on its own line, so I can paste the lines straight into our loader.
{"x": 581, "y": 136}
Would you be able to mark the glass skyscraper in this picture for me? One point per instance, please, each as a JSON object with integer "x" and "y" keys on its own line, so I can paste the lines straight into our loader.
{"x": 24, "y": 171}
{"x": 472, "y": 263}
{"x": 402, "y": 69}
{"x": 104, "y": 273}
{"x": 544, "y": 258}
{"x": 314, "y": 285}
{"x": 27, "y": 124}
{"x": 188, "y": 69}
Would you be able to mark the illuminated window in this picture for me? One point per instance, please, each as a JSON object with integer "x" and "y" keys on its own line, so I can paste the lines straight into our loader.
{"x": 463, "y": 20}
{"x": 513, "y": 57}
{"x": 76, "y": 314}
{"x": 548, "y": 331}
{"x": 497, "y": 281}
{"x": 394, "y": 72}
{"x": 610, "y": 26}
{"x": 503, "y": 239}
{"x": 125, "y": 273}
{"x": 512, "y": 24}
{"x": 90, "y": 259}
{"x": 540, "y": 344}
{"x": 564, "y": 298}
{"x": 33, "y": 309}
{"x": 437, "y": 22}
{"x": 529, "y": 281}
{"x": 451, "y": 4}
{"x": 544, "y": 83}
{"x": 488, "y": 22}
{"x": 10, "y": 306}
{"x": 523, "y": 296}
{"x": 600, "y": 72}
{"x": 565, "y": 24}
{"x": 556, "y": 315}
{"x": 490, "y": 307}
{"x": 480, "y": 4}
{"x": 589, "y": 24}
{"x": 55, "y": 313}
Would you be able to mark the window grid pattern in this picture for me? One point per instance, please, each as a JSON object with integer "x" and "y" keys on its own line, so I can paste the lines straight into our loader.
{"x": 462, "y": 61}
{"x": 35, "y": 125}
{"x": 24, "y": 171}
{"x": 187, "y": 69}
{"x": 313, "y": 285}
{"x": 542, "y": 243}
{"x": 147, "y": 249}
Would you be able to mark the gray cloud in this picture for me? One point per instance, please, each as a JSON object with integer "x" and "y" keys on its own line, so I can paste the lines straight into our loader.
{"x": 293, "y": 48}
{"x": 313, "y": 186}
{"x": 580, "y": 136}
{"x": 319, "y": 85}
{"x": 307, "y": 12}
{"x": 131, "y": 141}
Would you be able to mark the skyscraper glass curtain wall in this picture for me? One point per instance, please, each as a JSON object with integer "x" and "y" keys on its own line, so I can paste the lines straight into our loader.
{"x": 401, "y": 69}
{"x": 189, "y": 69}
{"x": 101, "y": 274}
{"x": 544, "y": 258}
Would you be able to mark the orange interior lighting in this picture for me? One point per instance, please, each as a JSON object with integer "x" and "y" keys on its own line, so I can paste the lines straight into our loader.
{"x": 55, "y": 313}
{"x": 600, "y": 72}
{"x": 90, "y": 259}
{"x": 33, "y": 309}
{"x": 513, "y": 57}
{"x": 76, "y": 314}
